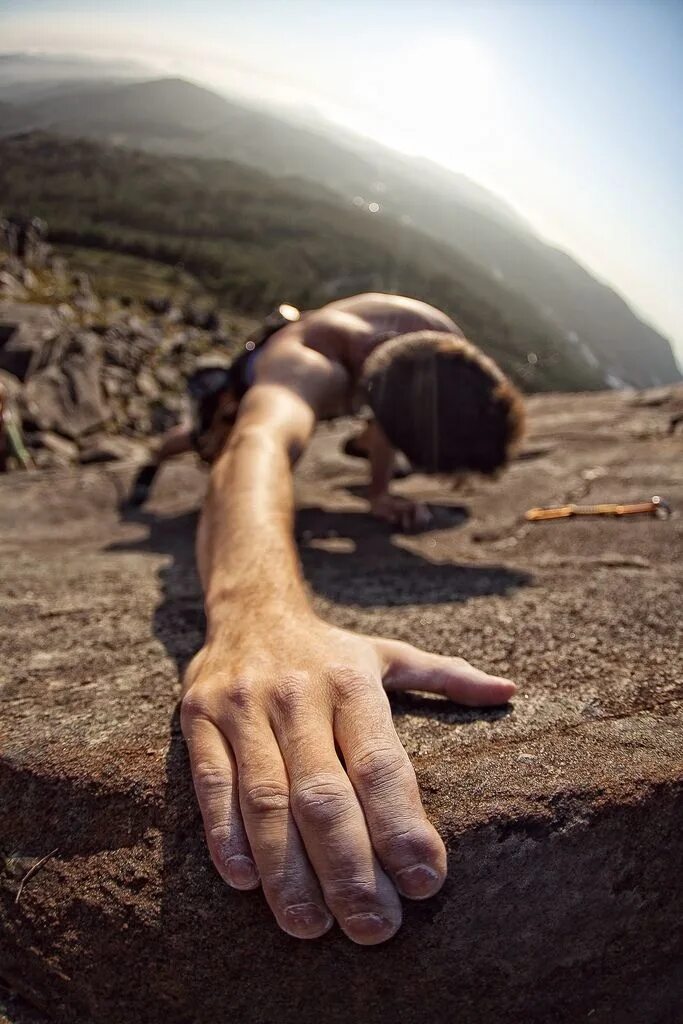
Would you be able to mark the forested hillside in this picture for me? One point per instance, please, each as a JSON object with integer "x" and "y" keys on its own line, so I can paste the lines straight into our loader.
{"x": 180, "y": 117}
{"x": 255, "y": 240}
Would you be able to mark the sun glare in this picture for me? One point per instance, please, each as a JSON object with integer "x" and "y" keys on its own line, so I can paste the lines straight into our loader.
{"x": 447, "y": 87}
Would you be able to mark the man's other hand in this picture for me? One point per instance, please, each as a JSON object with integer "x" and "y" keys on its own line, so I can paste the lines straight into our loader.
{"x": 403, "y": 513}
{"x": 303, "y": 784}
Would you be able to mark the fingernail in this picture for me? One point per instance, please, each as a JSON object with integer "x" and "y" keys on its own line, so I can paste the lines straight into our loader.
{"x": 306, "y": 920}
{"x": 241, "y": 872}
{"x": 418, "y": 882}
{"x": 369, "y": 928}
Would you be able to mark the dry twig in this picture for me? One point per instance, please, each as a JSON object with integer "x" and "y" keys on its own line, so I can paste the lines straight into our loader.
{"x": 31, "y": 872}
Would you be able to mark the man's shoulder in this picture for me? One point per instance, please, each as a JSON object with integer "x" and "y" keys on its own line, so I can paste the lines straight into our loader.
{"x": 376, "y": 303}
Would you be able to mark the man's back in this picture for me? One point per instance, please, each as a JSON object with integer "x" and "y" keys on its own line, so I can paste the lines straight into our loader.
{"x": 347, "y": 330}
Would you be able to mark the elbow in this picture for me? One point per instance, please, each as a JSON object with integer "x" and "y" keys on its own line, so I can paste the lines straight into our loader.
{"x": 249, "y": 445}
{"x": 252, "y": 439}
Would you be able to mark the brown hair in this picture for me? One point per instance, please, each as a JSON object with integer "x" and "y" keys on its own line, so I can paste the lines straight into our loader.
{"x": 443, "y": 403}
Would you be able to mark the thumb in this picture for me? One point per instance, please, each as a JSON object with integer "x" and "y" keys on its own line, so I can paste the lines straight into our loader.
{"x": 405, "y": 667}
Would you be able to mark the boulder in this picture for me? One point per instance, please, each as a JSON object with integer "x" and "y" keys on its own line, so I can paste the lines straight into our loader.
{"x": 11, "y": 287}
{"x": 109, "y": 448}
{"x": 139, "y": 416}
{"x": 86, "y": 302}
{"x": 66, "y": 312}
{"x": 168, "y": 376}
{"x": 158, "y": 304}
{"x": 204, "y": 319}
{"x": 82, "y": 283}
{"x": 147, "y": 385}
{"x": 10, "y": 384}
{"x": 29, "y": 279}
{"x": 64, "y": 450}
{"x": 117, "y": 350}
{"x": 174, "y": 315}
{"x": 68, "y": 398}
{"x": 28, "y": 338}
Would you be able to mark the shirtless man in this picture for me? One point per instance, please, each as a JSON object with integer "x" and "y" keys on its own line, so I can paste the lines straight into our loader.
{"x": 304, "y": 787}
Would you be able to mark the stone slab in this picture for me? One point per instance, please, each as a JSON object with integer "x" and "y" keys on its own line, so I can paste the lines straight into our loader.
{"x": 562, "y": 813}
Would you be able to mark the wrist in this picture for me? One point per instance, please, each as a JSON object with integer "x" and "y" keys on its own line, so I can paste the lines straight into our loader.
{"x": 238, "y": 608}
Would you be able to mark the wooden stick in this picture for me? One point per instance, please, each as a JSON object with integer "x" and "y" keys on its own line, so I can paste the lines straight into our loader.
{"x": 31, "y": 872}
{"x": 654, "y": 506}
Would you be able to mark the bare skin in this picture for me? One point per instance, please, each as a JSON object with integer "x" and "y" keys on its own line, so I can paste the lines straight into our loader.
{"x": 345, "y": 333}
{"x": 303, "y": 784}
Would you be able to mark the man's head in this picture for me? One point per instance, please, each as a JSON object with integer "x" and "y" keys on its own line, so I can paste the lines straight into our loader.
{"x": 215, "y": 402}
{"x": 443, "y": 403}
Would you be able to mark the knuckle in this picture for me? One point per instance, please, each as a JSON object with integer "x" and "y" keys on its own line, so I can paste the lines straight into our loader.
{"x": 413, "y": 845}
{"x": 218, "y": 699}
{"x": 322, "y": 801}
{"x": 351, "y": 892}
{"x": 218, "y": 836}
{"x": 291, "y": 694}
{"x": 210, "y": 779}
{"x": 217, "y": 695}
{"x": 239, "y": 696}
{"x": 380, "y": 767}
{"x": 351, "y": 684}
{"x": 196, "y": 703}
{"x": 265, "y": 798}
{"x": 283, "y": 886}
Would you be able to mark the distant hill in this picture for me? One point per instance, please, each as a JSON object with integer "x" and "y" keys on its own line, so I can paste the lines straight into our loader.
{"x": 255, "y": 240}
{"x": 24, "y": 76}
{"x": 172, "y": 115}
{"x": 176, "y": 116}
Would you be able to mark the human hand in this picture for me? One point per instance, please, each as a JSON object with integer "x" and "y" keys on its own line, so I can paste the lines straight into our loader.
{"x": 303, "y": 784}
{"x": 402, "y": 512}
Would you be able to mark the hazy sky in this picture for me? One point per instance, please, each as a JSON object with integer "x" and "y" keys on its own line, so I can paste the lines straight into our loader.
{"x": 572, "y": 111}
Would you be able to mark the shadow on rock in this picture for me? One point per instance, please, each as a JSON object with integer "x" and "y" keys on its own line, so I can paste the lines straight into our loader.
{"x": 349, "y": 558}
{"x": 443, "y": 710}
{"x": 179, "y": 619}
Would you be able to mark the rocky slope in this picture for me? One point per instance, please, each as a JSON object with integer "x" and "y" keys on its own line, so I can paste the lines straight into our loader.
{"x": 94, "y": 378}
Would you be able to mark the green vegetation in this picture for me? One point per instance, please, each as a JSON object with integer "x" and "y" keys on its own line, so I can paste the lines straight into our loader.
{"x": 115, "y": 274}
{"x": 253, "y": 240}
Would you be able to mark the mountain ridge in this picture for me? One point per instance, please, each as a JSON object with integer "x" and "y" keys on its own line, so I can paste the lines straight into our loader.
{"x": 172, "y": 115}
{"x": 255, "y": 240}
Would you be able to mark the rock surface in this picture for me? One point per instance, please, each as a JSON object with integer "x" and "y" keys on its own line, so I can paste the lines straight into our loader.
{"x": 562, "y": 813}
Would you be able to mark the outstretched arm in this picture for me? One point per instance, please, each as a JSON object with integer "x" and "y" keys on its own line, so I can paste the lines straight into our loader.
{"x": 392, "y": 508}
{"x": 175, "y": 441}
{"x": 303, "y": 784}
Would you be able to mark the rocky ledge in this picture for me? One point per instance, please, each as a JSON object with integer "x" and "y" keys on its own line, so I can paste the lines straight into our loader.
{"x": 561, "y": 813}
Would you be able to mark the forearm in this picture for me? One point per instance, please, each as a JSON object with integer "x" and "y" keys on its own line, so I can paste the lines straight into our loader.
{"x": 248, "y": 556}
{"x": 394, "y": 509}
